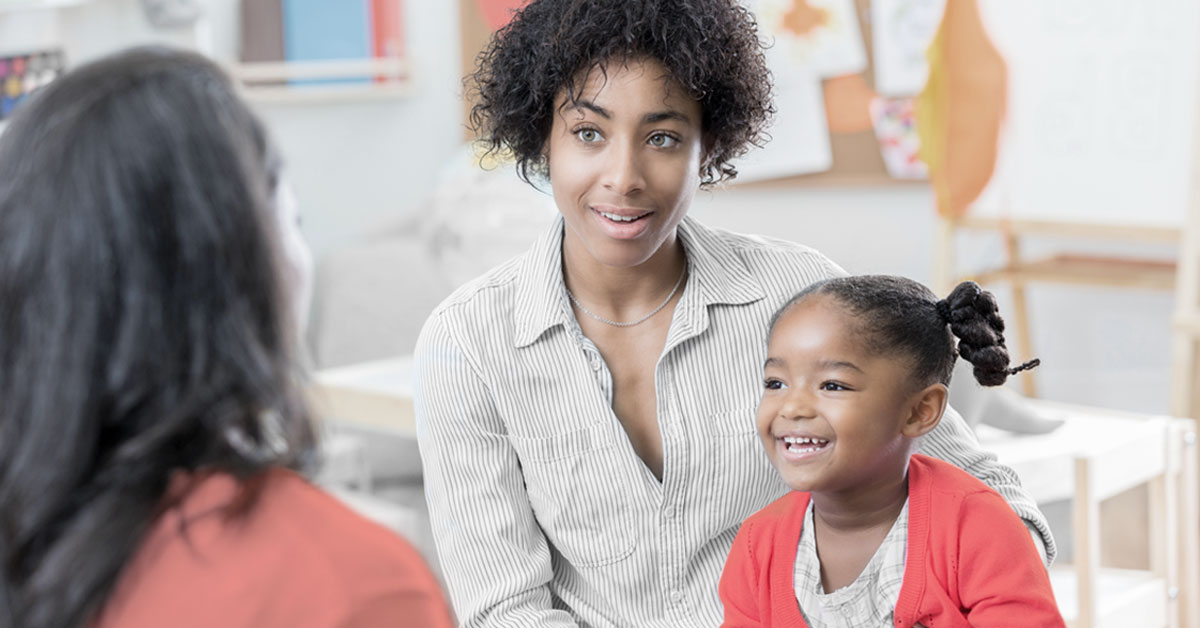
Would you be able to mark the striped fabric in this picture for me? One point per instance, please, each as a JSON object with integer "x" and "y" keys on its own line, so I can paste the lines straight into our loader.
{"x": 869, "y": 601}
{"x": 543, "y": 514}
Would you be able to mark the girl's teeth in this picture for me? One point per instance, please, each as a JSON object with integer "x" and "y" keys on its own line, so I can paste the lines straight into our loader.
{"x": 619, "y": 218}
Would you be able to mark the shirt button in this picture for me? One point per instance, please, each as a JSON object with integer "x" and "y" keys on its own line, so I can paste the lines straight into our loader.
{"x": 677, "y": 596}
{"x": 596, "y": 364}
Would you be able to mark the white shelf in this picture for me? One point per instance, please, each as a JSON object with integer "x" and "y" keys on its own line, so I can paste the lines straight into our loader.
{"x": 33, "y": 5}
{"x": 368, "y": 80}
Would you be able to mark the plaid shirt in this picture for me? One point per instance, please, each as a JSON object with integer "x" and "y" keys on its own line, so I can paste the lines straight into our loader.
{"x": 868, "y": 601}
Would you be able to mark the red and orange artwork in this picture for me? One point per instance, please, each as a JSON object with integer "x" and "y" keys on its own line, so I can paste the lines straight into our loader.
{"x": 497, "y": 13}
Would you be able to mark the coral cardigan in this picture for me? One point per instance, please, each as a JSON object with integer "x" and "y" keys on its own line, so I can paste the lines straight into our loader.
{"x": 971, "y": 562}
{"x": 297, "y": 559}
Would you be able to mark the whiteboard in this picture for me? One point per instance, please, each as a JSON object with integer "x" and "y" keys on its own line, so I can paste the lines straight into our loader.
{"x": 1102, "y": 105}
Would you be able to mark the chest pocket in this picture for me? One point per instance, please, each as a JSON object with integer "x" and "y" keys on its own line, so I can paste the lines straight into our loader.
{"x": 580, "y": 493}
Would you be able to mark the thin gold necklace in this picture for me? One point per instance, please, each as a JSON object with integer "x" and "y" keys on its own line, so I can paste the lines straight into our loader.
{"x": 678, "y": 282}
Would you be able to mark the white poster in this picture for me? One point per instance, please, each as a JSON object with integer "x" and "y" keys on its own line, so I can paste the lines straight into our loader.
{"x": 799, "y": 141}
{"x": 1101, "y": 110}
{"x": 902, "y": 32}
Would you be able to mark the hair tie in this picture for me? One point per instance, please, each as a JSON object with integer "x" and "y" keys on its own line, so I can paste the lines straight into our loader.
{"x": 943, "y": 310}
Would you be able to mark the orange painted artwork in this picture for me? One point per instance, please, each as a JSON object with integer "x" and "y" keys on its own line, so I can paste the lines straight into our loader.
{"x": 804, "y": 19}
{"x": 961, "y": 110}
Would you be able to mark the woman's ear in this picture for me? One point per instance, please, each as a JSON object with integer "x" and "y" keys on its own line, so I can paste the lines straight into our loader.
{"x": 925, "y": 410}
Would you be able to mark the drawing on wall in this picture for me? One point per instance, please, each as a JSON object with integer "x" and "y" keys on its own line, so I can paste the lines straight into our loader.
{"x": 896, "y": 129}
{"x": 822, "y": 35}
{"x": 903, "y": 30}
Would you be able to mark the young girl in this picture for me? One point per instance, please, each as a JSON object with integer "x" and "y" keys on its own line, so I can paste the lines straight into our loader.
{"x": 857, "y": 368}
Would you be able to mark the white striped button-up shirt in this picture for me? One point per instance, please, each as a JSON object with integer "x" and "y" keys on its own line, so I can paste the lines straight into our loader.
{"x": 543, "y": 514}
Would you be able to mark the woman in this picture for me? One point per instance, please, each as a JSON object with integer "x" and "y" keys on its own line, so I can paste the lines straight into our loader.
{"x": 586, "y": 411}
{"x": 152, "y": 413}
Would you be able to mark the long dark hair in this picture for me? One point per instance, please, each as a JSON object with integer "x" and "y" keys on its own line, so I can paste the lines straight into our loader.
{"x": 142, "y": 326}
{"x": 898, "y": 315}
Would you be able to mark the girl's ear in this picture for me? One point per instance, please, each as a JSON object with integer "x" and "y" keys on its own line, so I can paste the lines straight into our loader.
{"x": 925, "y": 411}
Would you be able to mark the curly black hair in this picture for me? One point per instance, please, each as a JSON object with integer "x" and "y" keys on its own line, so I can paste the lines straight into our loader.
{"x": 711, "y": 47}
{"x": 899, "y": 315}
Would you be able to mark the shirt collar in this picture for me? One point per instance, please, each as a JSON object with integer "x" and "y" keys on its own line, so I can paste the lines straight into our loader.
{"x": 717, "y": 272}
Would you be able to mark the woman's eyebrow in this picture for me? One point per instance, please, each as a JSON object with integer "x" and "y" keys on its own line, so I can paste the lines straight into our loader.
{"x": 668, "y": 114}
{"x": 590, "y": 106}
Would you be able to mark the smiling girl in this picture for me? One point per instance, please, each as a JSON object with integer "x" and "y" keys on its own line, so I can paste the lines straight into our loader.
{"x": 585, "y": 416}
{"x": 857, "y": 369}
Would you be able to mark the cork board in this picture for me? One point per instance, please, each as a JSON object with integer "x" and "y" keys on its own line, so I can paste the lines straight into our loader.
{"x": 857, "y": 159}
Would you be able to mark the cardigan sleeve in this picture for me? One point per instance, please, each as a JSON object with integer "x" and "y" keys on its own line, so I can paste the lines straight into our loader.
{"x": 1001, "y": 579}
{"x": 739, "y": 583}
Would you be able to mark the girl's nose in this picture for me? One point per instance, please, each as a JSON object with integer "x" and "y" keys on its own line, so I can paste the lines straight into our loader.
{"x": 797, "y": 404}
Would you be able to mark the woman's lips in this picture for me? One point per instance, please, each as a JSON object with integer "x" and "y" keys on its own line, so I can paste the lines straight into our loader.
{"x": 622, "y": 223}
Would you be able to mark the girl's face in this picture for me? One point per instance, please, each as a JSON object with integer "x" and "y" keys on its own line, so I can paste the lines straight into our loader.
{"x": 833, "y": 415}
{"x": 625, "y": 161}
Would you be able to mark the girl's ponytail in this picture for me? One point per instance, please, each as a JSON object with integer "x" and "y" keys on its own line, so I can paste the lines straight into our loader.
{"x": 972, "y": 315}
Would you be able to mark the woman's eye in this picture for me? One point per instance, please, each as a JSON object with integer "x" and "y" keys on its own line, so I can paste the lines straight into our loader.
{"x": 662, "y": 140}
{"x": 772, "y": 384}
{"x": 588, "y": 135}
{"x": 833, "y": 386}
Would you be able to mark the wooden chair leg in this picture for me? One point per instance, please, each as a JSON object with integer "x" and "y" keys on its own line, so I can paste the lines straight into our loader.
{"x": 1189, "y": 524}
{"x": 1024, "y": 340}
{"x": 1086, "y": 527}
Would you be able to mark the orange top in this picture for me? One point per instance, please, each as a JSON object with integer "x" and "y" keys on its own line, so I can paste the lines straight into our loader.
{"x": 297, "y": 559}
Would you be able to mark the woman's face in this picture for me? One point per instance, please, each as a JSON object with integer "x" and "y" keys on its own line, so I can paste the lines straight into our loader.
{"x": 625, "y": 161}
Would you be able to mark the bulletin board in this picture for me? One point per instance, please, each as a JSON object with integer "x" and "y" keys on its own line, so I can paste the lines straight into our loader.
{"x": 854, "y": 152}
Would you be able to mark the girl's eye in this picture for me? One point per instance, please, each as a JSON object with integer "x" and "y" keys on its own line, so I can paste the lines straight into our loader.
{"x": 588, "y": 135}
{"x": 662, "y": 140}
{"x": 772, "y": 384}
{"x": 833, "y": 386}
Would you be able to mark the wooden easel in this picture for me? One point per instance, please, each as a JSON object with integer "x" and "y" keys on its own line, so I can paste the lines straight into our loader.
{"x": 1088, "y": 270}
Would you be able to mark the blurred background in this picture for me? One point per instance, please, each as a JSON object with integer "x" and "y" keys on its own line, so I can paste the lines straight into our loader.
{"x": 1044, "y": 147}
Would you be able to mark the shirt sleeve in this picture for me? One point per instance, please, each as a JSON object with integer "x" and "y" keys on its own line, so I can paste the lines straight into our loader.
{"x": 495, "y": 558}
{"x": 953, "y": 441}
{"x": 1001, "y": 580}
{"x": 739, "y": 583}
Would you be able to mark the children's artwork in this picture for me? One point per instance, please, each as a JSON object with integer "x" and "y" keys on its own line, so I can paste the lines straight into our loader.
{"x": 22, "y": 75}
{"x": 896, "y": 129}
{"x": 903, "y": 30}
{"x": 822, "y": 35}
{"x": 811, "y": 39}
{"x": 799, "y": 141}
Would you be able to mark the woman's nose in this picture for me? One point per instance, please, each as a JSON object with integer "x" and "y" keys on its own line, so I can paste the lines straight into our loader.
{"x": 623, "y": 172}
